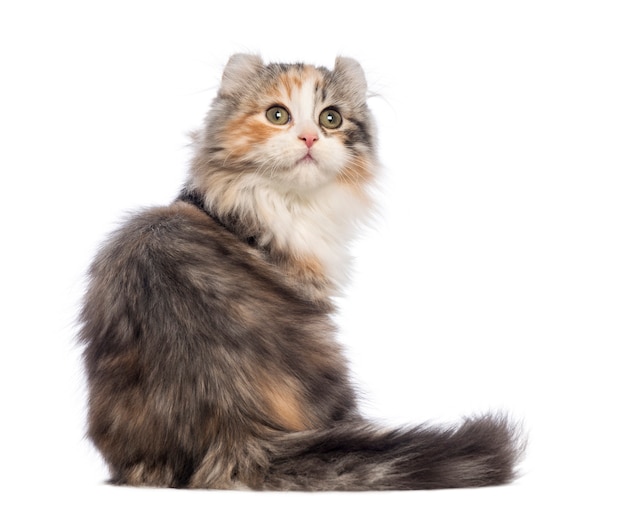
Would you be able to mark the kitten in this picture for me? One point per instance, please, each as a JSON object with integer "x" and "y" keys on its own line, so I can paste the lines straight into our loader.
{"x": 208, "y": 342}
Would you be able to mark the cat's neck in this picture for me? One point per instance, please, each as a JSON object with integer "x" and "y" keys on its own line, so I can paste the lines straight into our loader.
{"x": 315, "y": 229}
{"x": 307, "y": 234}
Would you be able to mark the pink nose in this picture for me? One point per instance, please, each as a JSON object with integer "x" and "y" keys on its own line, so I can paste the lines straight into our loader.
{"x": 308, "y": 138}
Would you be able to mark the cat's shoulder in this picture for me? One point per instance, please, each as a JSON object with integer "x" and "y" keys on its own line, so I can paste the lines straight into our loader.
{"x": 178, "y": 226}
{"x": 173, "y": 218}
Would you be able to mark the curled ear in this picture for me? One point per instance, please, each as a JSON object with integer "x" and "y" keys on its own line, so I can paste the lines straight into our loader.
{"x": 238, "y": 71}
{"x": 351, "y": 74}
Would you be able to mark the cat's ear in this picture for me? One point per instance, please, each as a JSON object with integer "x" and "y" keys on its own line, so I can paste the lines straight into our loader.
{"x": 238, "y": 71}
{"x": 350, "y": 72}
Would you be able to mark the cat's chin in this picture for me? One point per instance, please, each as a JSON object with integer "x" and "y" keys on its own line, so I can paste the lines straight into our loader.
{"x": 308, "y": 174}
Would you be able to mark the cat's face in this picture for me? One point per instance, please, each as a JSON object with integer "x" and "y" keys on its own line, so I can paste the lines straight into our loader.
{"x": 295, "y": 127}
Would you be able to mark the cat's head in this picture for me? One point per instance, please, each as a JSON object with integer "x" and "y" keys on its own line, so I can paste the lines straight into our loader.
{"x": 290, "y": 126}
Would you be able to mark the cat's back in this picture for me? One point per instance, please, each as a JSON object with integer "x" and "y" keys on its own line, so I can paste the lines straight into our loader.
{"x": 175, "y": 269}
{"x": 177, "y": 245}
{"x": 173, "y": 235}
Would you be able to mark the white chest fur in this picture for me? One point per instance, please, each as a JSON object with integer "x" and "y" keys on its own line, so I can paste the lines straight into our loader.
{"x": 319, "y": 225}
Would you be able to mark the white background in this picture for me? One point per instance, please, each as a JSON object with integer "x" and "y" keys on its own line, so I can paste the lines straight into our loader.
{"x": 494, "y": 279}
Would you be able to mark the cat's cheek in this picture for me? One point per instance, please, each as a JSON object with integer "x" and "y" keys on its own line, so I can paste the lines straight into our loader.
{"x": 248, "y": 136}
{"x": 358, "y": 171}
{"x": 331, "y": 156}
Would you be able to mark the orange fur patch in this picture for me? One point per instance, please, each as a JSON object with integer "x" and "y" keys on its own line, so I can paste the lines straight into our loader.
{"x": 286, "y": 84}
{"x": 257, "y": 132}
{"x": 291, "y": 80}
{"x": 242, "y": 132}
{"x": 284, "y": 404}
{"x": 309, "y": 268}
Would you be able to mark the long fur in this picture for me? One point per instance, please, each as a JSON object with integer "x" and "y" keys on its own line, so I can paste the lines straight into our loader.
{"x": 207, "y": 325}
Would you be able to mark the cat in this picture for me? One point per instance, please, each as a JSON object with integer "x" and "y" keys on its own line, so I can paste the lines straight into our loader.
{"x": 209, "y": 345}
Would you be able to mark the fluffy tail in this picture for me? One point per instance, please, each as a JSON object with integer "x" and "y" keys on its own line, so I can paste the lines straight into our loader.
{"x": 479, "y": 452}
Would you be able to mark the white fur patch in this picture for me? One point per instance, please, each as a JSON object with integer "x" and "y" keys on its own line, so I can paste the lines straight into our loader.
{"x": 320, "y": 224}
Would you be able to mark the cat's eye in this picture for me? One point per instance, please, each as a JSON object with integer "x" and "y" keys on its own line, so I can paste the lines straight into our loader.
{"x": 277, "y": 115}
{"x": 330, "y": 119}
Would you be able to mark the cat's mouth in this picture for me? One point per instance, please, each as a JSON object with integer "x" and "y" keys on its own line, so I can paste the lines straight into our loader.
{"x": 307, "y": 158}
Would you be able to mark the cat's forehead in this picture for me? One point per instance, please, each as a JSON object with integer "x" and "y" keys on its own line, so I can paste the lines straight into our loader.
{"x": 296, "y": 82}
{"x": 296, "y": 77}
{"x": 246, "y": 81}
